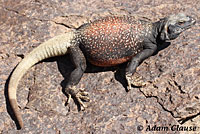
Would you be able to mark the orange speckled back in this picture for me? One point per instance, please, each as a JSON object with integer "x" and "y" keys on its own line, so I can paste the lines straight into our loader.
{"x": 113, "y": 40}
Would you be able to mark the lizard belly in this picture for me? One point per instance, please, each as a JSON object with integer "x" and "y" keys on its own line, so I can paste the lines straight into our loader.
{"x": 109, "y": 62}
{"x": 110, "y": 55}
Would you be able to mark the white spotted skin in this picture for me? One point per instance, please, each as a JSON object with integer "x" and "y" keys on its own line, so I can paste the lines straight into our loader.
{"x": 113, "y": 40}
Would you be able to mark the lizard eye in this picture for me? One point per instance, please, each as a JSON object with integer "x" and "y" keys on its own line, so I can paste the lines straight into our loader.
{"x": 181, "y": 23}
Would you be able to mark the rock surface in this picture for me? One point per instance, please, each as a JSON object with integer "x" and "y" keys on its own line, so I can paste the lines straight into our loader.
{"x": 171, "y": 97}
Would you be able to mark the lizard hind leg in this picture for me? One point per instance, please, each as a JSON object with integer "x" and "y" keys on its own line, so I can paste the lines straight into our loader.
{"x": 79, "y": 62}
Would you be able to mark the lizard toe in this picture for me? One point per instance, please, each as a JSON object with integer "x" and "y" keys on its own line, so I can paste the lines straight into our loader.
{"x": 79, "y": 95}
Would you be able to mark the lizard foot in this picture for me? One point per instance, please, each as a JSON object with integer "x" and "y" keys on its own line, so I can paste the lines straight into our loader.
{"x": 79, "y": 95}
{"x": 135, "y": 79}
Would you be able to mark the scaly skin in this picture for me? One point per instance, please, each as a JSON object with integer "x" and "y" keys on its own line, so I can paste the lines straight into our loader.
{"x": 113, "y": 40}
{"x": 53, "y": 47}
{"x": 106, "y": 42}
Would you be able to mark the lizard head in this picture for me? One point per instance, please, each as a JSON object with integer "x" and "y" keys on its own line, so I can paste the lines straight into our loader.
{"x": 174, "y": 25}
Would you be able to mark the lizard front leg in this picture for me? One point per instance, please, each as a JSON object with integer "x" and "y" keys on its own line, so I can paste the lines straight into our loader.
{"x": 79, "y": 62}
{"x": 133, "y": 78}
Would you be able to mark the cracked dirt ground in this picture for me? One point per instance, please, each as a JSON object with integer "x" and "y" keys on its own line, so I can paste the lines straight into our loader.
{"x": 172, "y": 96}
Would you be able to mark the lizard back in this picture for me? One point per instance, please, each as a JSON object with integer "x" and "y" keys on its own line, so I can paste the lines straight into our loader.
{"x": 113, "y": 40}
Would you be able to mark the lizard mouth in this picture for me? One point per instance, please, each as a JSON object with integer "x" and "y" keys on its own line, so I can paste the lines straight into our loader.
{"x": 189, "y": 23}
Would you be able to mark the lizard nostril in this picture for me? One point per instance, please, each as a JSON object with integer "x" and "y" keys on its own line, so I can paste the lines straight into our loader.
{"x": 192, "y": 20}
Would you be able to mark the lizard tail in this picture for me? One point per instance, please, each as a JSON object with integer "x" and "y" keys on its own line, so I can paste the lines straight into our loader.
{"x": 54, "y": 47}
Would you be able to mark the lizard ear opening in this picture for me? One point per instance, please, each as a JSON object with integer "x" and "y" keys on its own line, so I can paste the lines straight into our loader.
{"x": 173, "y": 31}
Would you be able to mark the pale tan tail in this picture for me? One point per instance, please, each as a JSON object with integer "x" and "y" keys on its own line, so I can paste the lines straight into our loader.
{"x": 53, "y": 47}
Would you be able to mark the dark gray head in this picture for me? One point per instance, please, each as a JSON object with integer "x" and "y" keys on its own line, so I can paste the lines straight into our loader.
{"x": 174, "y": 25}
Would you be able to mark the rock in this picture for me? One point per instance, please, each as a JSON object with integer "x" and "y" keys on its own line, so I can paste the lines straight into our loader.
{"x": 171, "y": 96}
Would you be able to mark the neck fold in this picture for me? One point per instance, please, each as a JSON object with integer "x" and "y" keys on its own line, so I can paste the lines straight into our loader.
{"x": 159, "y": 29}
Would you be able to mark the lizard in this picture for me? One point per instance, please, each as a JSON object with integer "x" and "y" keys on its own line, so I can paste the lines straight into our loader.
{"x": 105, "y": 42}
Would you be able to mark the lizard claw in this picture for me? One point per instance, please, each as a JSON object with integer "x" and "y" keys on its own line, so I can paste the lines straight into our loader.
{"x": 79, "y": 94}
{"x": 129, "y": 79}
